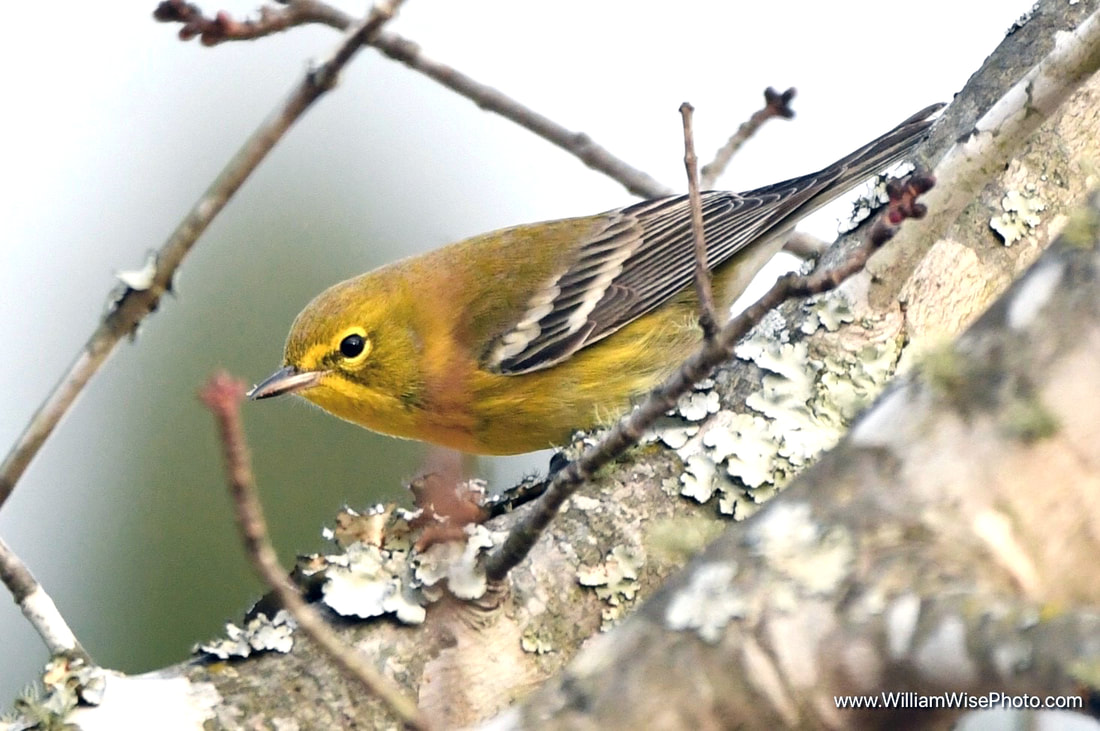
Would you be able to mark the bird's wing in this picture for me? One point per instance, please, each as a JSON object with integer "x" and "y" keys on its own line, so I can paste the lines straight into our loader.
{"x": 644, "y": 254}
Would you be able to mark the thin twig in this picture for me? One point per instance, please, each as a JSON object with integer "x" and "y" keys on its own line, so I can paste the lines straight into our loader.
{"x": 577, "y": 144}
{"x": 775, "y": 105}
{"x": 629, "y": 430}
{"x": 223, "y": 395}
{"x": 38, "y": 607}
{"x": 222, "y": 28}
{"x": 708, "y": 322}
{"x": 135, "y": 303}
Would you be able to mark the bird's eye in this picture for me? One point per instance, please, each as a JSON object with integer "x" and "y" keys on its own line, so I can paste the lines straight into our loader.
{"x": 352, "y": 346}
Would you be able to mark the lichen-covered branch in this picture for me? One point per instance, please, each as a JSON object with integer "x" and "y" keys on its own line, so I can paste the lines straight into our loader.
{"x": 984, "y": 147}
{"x": 917, "y": 555}
{"x": 38, "y": 607}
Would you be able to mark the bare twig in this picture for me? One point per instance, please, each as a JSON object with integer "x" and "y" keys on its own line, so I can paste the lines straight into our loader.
{"x": 137, "y": 301}
{"x": 222, "y": 28}
{"x": 38, "y": 607}
{"x": 577, "y": 144}
{"x": 630, "y": 429}
{"x": 223, "y": 395}
{"x": 775, "y": 105}
{"x": 707, "y": 320}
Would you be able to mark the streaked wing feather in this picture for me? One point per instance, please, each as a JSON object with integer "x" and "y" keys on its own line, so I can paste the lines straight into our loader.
{"x": 644, "y": 254}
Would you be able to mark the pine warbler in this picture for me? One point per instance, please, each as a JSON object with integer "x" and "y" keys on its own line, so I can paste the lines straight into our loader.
{"x": 508, "y": 341}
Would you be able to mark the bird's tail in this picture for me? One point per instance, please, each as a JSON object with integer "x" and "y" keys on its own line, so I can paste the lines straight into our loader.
{"x": 802, "y": 195}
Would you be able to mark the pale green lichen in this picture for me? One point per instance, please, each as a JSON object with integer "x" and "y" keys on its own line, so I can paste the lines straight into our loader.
{"x": 536, "y": 642}
{"x": 708, "y": 603}
{"x": 699, "y": 478}
{"x": 378, "y": 573}
{"x": 802, "y": 408}
{"x": 675, "y": 435}
{"x": 66, "y": 684}
{"x": 873, "y": 197}
{"x": 692, "y": 407}
{"x": 746, "y": 448}
{"x": 675, "y": 540}
{"x": 615, "y": 581}
{"x": 33, "y": 709}
{"x": 698, "y": 405}
{"x": 1028, "y": 420}
{"x": 826, "y": 312}
{"x": 851, "y": 382}
{"x": 385, "y": 575}
{"x": 796, "y": 546}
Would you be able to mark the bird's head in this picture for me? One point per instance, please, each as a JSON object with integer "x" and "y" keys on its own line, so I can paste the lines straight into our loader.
{"x": 351, "y": 351}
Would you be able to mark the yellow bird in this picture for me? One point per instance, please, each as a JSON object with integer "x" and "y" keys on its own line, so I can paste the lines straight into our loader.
{"x": 509, "y": 341}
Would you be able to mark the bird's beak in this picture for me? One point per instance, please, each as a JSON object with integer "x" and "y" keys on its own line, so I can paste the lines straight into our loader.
{"x": 284, "y": 380}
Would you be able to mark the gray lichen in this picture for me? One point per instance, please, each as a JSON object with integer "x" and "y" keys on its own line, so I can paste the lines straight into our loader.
{"x": 1020, "y": 215}
{"x": 615, "y": 581}
{"x": 455, "y": 564}
{"x": 366, "y": 581}
{"x": 708, "y": 603}
{"x": 803, "y": 407}
{"x": 797, "y": 547}
{"x": 259, "y": 634}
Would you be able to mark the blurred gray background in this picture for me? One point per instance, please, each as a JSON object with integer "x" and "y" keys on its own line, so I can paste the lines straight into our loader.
{"x": 113, "y": 128}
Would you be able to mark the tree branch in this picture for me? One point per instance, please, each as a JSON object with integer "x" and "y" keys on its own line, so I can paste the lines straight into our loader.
{"x": 708, "y": 321}
{"x": 38, "y": 607}
{"x": 986, "y": 147}
{"x": 223, "y": 28}
{"x": 775, "y": 105}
